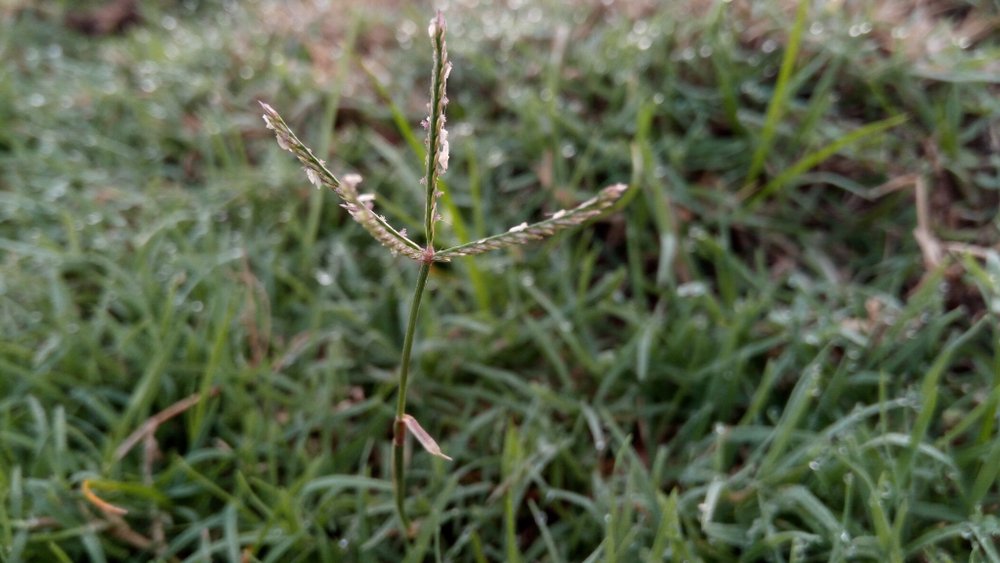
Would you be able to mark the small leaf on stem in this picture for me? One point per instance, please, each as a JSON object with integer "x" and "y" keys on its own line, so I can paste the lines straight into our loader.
{"x": 423, "y": 437}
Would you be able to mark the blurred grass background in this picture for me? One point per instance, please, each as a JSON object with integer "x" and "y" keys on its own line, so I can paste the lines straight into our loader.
{"x": 785, "y": 348}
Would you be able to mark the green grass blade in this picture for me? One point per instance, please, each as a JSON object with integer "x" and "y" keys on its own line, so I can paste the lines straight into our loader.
{"x": 812, "y": 159}
{"x": 779, "y": 98}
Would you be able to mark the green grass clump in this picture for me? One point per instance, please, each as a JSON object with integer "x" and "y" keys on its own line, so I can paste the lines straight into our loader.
{"x": 784, "y": 348}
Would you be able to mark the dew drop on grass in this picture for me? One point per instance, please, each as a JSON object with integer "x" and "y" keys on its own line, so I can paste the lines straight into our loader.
{"x": 859, "y": 29}
{"x": 692, "y": 289}
{"x": 57, "y": 190}
{"x": 527, "y": 280}
{"x": 699, "y": 321}
{"x": 816, "y": 28}
{"x": 494, "y": 157}
{"x": 156, "y": 111}
{"x": 323, "y": 278}
{"x": 705, "y": 51}
{"x": 769, "y": 46}
{"x": 658, "y": 99}
{"x": 568, "y": 150}
{"x": 31, "y": 56}
{"x": 644, "y": 43}
{"x": 343, "y": 544}
{"x": 36, "y": 100}
{"x": 815, "y": 465}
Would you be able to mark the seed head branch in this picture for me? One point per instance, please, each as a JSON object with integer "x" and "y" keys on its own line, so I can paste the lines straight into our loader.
{"x": 523, "y": 233}
{"x": 437, "y": 135}
{"x": 360, "y": 207}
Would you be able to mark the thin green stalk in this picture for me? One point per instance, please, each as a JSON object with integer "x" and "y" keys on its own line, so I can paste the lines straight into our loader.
{"x": 399, "y": 428}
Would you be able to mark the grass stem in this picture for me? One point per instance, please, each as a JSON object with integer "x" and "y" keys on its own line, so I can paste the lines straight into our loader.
{"x": 399, "y": 429}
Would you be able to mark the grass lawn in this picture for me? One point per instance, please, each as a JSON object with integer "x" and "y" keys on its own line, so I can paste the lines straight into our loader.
{"x": 784, "y": 347}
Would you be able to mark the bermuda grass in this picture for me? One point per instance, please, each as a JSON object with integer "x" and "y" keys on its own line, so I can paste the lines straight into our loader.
{"x": 784, "y": 348}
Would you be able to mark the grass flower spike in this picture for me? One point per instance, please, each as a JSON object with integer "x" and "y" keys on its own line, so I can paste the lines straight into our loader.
{"x": 361, "y": 208}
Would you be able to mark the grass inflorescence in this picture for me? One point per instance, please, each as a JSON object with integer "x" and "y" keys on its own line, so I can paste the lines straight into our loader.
{"x": 438, "y": 154}
{"x": 783, "y": 348}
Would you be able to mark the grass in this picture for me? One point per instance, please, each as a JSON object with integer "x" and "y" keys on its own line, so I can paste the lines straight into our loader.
{"x": 702, "y": 376}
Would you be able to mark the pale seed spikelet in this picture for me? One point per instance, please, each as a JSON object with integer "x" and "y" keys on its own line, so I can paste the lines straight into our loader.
{"x": 313, "y": 178}
{"x": 523, "y": 233}
{"x": 442, "y": 158}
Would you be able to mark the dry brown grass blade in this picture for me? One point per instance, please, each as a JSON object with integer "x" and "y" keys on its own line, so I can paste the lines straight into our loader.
{"x": 429, "y": 444}
{"x": 152, "y": 423}
{"x": 103, "y": 505}
{"x": 930, "y": 246}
